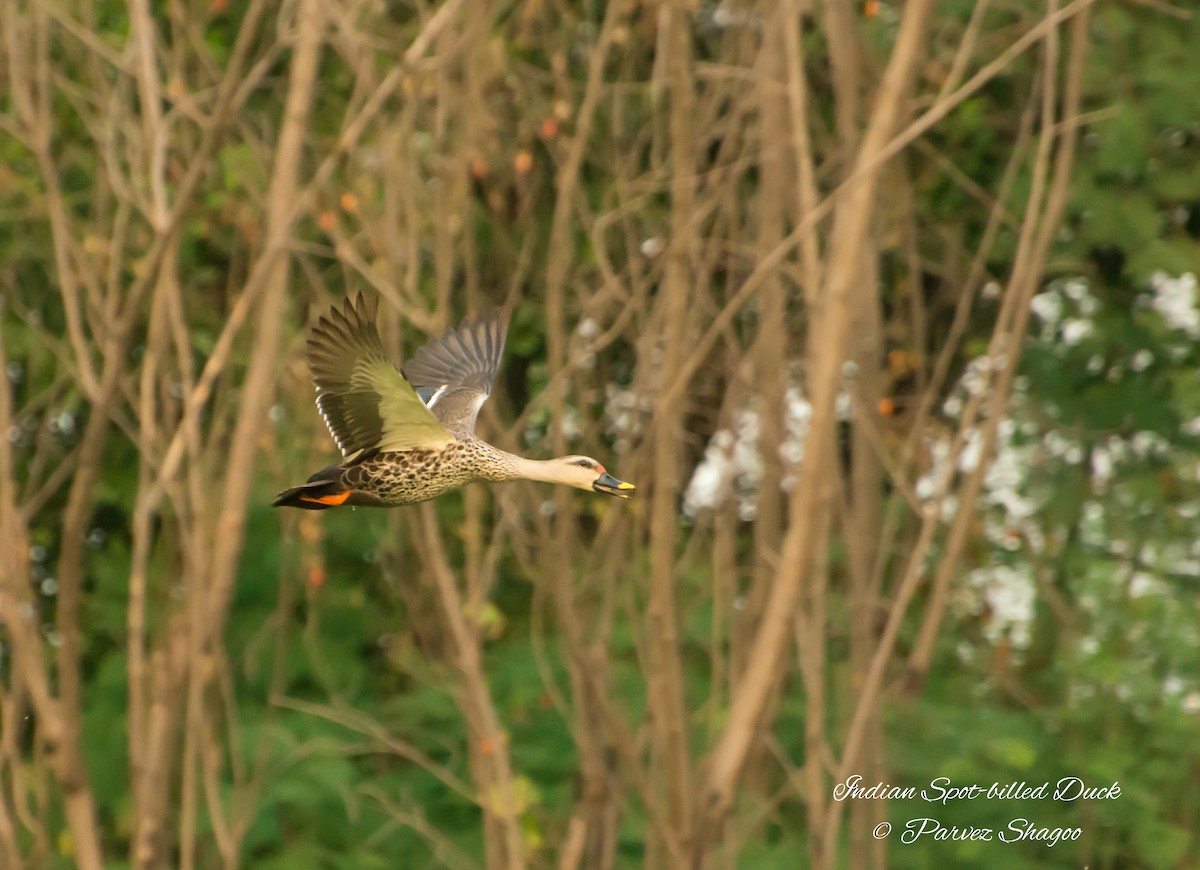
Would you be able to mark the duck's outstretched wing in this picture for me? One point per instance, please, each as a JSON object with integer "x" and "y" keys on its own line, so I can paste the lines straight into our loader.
{"x": 454, "y": 373}
{"x": 365, "y": 400}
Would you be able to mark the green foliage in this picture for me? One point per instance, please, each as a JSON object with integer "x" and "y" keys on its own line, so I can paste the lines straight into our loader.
{"x": 1101, "y": 509}
{"x": 1138, "y": 182}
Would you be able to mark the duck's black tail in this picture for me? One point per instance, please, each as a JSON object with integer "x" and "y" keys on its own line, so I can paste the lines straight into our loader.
{"x": 323, "y": 490}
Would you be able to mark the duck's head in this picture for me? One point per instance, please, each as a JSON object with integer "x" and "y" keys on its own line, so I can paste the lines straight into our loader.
{"x": 583, "y": 472}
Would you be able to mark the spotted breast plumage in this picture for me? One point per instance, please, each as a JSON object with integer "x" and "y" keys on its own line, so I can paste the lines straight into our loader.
{"x": 409, "y": 436}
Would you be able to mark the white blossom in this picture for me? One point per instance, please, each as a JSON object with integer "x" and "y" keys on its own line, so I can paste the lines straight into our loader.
{"x": 1048, "y": 307}
{"x": 1007, "y": 595}
{"x": 1175, "y": 300}
{"x": 710, "y": 480}
{"x": 1075, "y": 330}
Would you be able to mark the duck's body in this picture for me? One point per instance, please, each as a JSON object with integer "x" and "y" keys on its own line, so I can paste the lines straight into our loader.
{"x": 403, "y": 477}
{"x": 410, "y": 439}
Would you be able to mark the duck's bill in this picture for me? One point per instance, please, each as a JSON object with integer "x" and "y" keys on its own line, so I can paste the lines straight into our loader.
{"x": 608, "y": 484}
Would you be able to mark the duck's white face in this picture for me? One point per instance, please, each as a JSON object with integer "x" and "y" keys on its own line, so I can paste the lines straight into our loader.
{"x": 583, "y": 472}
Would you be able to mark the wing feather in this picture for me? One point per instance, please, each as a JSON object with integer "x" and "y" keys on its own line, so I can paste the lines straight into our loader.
{"x": 455, "y": 371}
{"x": 366, "y": 401}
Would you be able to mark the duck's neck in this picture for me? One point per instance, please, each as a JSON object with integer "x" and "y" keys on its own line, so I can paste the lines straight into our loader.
{"x": 509, "y": 466}
{"x": 544, "y": 470}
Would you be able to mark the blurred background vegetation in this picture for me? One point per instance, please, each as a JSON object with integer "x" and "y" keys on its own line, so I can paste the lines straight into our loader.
{"x": 889, "y": 310}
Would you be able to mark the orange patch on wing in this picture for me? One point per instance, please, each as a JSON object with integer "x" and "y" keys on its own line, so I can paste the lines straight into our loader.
{"x": 335, "y": 499}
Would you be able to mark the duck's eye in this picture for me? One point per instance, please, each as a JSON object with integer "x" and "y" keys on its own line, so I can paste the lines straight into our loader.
{"x": 583, "y": 463}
